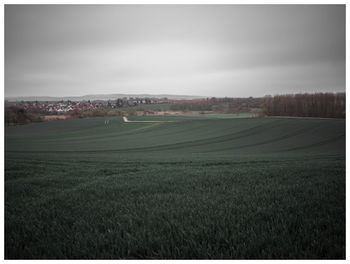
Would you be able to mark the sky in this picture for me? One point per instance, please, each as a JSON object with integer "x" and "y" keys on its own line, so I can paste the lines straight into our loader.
{"x": 206, "y": 50}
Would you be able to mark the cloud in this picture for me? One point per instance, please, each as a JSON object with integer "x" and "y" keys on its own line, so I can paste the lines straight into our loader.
{"x": 187, "y": 49}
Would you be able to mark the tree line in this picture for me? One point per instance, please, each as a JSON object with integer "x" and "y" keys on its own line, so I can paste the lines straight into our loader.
{"x": 17, "y": 115}
{"x": 329, "y": 105}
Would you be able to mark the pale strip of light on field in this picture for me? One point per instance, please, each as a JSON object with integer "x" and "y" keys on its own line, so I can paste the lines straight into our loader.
{"x": 305, "y": 117}
{"x": 128, "y": 121}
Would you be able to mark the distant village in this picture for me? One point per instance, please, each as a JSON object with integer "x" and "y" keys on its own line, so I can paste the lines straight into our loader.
{"x": 62, "y": 107}
{"x": 330, "y": 105}
{"x": 21, "y": 112}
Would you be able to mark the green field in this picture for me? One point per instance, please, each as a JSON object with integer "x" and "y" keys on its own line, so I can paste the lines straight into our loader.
{"x": 153, "y": 107}
{"x": 201, "y": 187}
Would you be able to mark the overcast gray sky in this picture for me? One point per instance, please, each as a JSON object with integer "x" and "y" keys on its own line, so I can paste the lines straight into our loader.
{"x": 210, "y": 50}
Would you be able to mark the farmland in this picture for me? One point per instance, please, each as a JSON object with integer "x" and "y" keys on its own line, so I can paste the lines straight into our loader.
{"x": 200, "y": 187}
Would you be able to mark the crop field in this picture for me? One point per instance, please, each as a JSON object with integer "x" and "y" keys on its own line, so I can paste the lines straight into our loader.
{"x": 154, "y": 107}
{"x": 200, "y": 187}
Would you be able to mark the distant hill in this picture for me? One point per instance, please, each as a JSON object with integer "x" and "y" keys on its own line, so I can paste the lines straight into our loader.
{"x": 100, "y": 97}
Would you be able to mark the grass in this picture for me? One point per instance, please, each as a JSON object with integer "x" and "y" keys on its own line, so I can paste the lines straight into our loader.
{"x": 197, "y": 188}
{"x": 152, "y": 107}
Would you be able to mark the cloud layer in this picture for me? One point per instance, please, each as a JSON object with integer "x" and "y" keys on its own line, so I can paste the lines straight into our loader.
{"x": 212, "y": 50}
